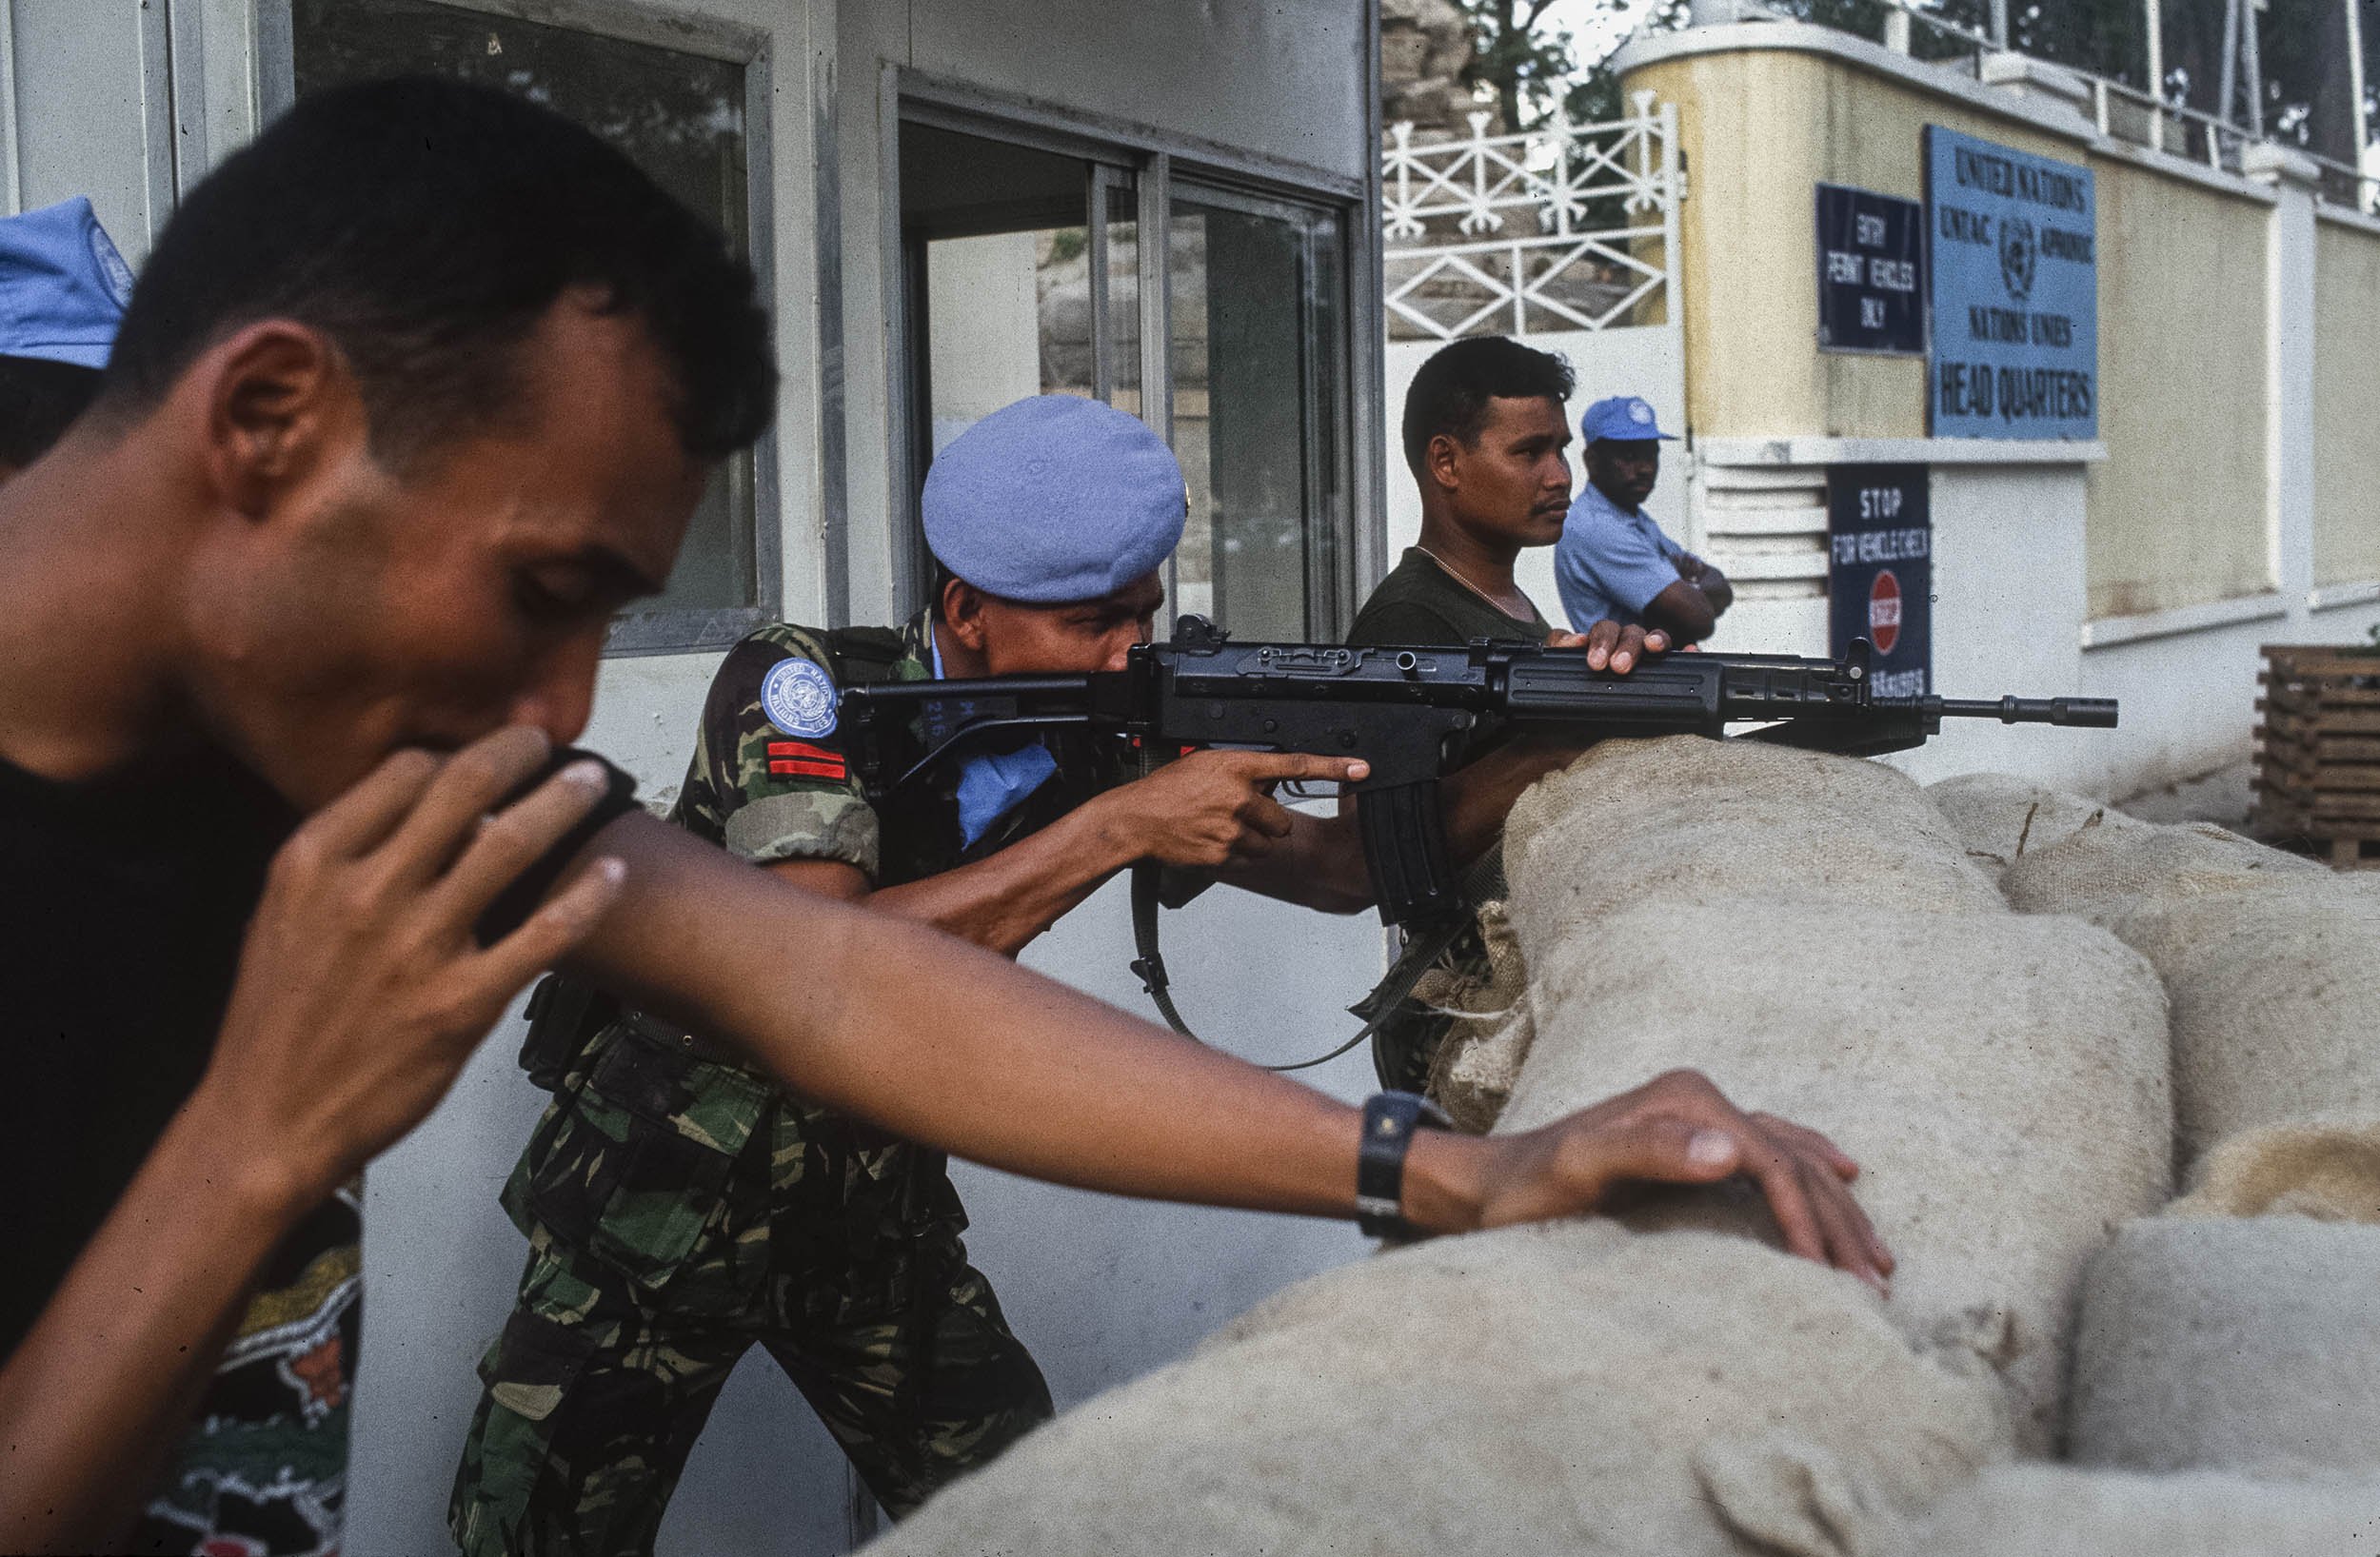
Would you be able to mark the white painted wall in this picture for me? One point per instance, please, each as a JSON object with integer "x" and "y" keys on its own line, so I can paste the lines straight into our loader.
{"x": 1646, "y": 359}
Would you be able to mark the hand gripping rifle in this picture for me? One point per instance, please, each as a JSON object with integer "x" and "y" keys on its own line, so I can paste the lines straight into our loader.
{"x": 1415, "y": 713}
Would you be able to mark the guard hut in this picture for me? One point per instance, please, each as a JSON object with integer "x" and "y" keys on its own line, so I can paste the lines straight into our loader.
{"x": 952, "y": 202}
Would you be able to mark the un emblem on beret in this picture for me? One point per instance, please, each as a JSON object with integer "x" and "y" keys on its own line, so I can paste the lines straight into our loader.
{"x": 1639, "y": 412}
{"x": 799, "y": 699}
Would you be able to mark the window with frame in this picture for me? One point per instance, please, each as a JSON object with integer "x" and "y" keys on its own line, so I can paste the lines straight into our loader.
{"x": 1026, "y": 274}
{"x": 685, "y": 118}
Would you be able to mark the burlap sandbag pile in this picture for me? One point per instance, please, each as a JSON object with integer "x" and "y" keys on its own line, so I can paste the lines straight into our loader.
{"x": 2275, "y": 986}
{"x": 2000, "y": 818}
{"x": 2103, "y": 873}
{"x": 2054, "y": 1511}
{"x": 1573, "y": 1389}
{"x": 2249, "y": 1345}
{"x": 1488, "y": 1034}
{"x": 1690, "y": 820}
{"x": 2001, "y": 1078}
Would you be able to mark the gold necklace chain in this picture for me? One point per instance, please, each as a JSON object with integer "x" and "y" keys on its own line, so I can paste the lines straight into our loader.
{"x": 1505, "y": 607}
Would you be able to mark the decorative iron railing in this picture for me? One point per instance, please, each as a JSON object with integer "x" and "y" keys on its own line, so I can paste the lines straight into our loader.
{"x": 1560, "y": 227}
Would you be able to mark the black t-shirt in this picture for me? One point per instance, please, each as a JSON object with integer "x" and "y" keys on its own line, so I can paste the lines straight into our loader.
{"x": 123, "y": 904}
{"x": 1421, "y": 602}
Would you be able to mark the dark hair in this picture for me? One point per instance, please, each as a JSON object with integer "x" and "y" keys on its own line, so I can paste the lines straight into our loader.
{"x": 39, "y": 399}
{"x": 426, "y": 226}
{"x": 1451, "y": 392}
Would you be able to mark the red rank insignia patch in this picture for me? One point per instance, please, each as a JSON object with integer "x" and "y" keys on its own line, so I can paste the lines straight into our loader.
{"x": 800, "y": 760}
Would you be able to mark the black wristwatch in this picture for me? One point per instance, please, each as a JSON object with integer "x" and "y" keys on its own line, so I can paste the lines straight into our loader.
{"x": 1389, "y": 1120}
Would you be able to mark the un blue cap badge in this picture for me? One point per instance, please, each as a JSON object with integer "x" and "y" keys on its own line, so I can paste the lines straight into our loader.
{"x": 799, "y": 699}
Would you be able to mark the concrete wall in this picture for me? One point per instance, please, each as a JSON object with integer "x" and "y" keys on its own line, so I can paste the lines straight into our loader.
{"x": 2178, "y": 510}
{"x": 2347, "y": 455}
{"x": 1103, "y": 1290}
{"x": 2227, "y": 503}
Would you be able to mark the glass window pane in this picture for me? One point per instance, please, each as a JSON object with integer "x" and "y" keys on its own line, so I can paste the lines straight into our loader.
{"x": 677, "y": 115}
{"x": 1257, "y": 400}
{"x": 1010, "y": 307}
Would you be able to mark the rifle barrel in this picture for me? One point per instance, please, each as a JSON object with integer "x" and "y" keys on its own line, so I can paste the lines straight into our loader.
{"x": 2088, "y": 713}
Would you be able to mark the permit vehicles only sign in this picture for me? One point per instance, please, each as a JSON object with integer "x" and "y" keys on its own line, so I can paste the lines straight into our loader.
{"x": 2013, "y": 277}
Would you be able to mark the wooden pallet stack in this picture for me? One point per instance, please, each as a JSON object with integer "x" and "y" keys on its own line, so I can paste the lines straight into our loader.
{"x": 2318, "y": 756}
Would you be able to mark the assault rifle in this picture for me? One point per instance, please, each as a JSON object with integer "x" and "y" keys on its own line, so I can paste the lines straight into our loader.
{"x": 1415, "y": 713}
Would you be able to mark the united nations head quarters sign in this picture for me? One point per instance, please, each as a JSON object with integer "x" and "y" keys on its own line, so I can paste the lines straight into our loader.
{"x": 2012, "y": 275}
{"x": 1870, "y": 295}
{"x": 1880, "y": 577}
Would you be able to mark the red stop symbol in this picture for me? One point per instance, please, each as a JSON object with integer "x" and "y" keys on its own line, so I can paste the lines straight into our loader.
{"x": 1884, "y": 611}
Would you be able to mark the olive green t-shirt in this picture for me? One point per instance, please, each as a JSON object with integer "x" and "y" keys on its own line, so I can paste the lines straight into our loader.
{"x": 1421, "y": 602}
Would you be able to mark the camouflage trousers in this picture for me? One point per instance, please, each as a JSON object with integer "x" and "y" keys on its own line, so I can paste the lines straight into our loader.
{"x": 679, "y": 1211}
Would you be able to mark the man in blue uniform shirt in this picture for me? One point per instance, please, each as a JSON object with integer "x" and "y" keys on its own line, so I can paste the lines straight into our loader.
{"x": 1613, "y": 561}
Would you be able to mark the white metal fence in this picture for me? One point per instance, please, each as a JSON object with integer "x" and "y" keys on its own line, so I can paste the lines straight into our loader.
{"x": 1561, "y": 227}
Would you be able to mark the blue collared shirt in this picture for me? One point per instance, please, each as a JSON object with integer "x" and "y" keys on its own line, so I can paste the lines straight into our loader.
{"x": 991, "y": 784}
{"x": 1610, "y": 563}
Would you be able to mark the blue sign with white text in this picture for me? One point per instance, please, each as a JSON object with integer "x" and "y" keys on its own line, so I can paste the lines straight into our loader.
{"x": 2013, "y": 282}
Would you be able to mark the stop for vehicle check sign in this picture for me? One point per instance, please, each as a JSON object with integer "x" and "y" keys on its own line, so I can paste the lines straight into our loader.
{"x": 1881, "y": 572}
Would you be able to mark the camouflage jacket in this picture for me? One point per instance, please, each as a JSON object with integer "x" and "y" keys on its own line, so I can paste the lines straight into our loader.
{"x": 771, "y": 781}
{"x": 642, "y": 1160}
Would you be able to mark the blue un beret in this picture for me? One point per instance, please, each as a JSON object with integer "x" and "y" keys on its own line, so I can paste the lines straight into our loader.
{"x": 63, "y": 285}
{"x": 1054, "y": 498}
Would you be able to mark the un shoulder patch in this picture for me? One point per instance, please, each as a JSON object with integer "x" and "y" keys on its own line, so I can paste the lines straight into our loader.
{"x": 799, "y": 699}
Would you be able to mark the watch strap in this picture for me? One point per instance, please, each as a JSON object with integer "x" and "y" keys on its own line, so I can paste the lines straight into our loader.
{"x": 1390, "y": 1120}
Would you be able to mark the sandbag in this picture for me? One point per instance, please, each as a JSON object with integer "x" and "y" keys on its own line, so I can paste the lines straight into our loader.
{"x": 2002, "y": 1080}
{"x": 1688, "y": 819}
{"x": 2101, "y": 874}
{"x": 2330, "y": 1173}
{"x": 1566, "y": 1388}
{"x": 2034, "y": 1510}
{"x": 1471, "y": 1075}
{"x": 2244, "y": 1344}
{"x": 2275, "y": 987}
{"x": 2000, "y": 817}
{"x": 1472, "y": 1072}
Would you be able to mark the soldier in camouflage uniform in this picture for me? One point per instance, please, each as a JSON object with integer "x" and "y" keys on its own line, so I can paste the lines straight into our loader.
{"x": 679, "y": 1207}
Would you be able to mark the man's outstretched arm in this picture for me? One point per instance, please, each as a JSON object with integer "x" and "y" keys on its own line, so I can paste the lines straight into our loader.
{"x": 952, "y": 1046}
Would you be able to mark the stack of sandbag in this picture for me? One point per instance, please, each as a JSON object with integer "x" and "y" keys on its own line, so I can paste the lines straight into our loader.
{"x": 2000, "y": 818}
{"x": 2039, "y": 1511}
{"x": 1571, "y": 1388}
{"x": 1694, "y": 820}
{"x": 2275, "y": 986}
{"x": 2001, "y": 1078}
{"x": 1686, "y": 820}
{"x": 2103, "y": 873}
{"x": 2244, "y": 1345}
{"x": 1488, "y": 1027}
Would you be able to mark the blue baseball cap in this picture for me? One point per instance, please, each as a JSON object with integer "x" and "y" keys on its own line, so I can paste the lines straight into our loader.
{"x": 1055, "y": 499}
{"x": 63, "y": 285}
{"x": 1623, "y": 419}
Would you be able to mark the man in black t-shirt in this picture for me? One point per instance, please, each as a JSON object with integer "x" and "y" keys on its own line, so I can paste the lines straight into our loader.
{"x": 416, "y": 391}
{"x": 1484, "y": 433}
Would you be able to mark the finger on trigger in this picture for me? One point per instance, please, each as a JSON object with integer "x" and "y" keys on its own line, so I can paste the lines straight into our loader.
{"x": 1269, "y": 816}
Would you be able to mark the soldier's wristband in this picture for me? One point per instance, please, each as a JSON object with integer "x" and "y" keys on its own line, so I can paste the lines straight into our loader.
{"x": 1389, "y": 1120}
